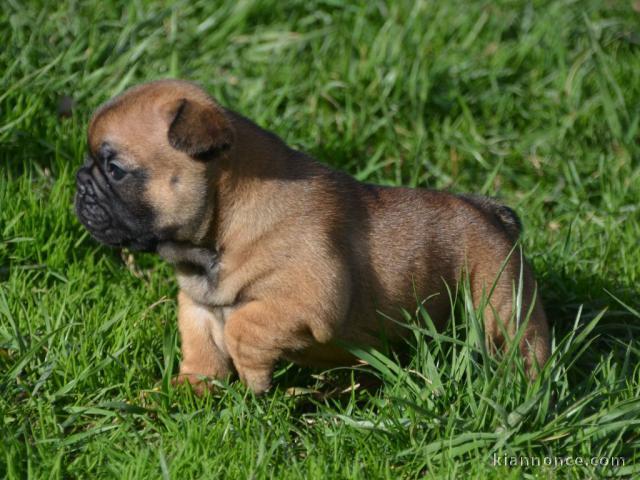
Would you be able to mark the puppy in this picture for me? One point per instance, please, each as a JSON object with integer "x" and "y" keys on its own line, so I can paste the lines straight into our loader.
{"x": 278, "y": 256}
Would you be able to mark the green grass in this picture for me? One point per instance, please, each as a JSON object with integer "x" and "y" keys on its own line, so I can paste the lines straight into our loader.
{"x": 535, "y": 102}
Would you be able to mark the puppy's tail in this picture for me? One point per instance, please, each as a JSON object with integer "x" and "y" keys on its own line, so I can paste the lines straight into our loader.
{"x": 505, "y": 216}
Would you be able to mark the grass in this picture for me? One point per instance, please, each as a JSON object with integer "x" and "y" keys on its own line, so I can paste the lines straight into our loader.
{"x": 535, "y": 102}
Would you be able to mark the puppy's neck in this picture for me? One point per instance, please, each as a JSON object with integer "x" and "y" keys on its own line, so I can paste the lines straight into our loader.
{"x": 249, "y": 183}
{"x": 257, "y": 153}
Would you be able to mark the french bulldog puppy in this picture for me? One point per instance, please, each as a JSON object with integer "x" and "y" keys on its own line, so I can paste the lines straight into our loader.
{"x": 279, "y": 256}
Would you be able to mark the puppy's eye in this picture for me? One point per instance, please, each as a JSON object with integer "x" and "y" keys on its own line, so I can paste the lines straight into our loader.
{"x": 115, "y": 171}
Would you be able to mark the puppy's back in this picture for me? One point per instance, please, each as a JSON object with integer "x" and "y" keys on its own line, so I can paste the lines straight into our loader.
{"x": 505, "y": 216}
{"x": 414, "y": 243}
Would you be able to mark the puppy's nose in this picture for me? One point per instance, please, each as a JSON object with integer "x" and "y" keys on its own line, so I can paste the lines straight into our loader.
{"x": 84, "y": 181}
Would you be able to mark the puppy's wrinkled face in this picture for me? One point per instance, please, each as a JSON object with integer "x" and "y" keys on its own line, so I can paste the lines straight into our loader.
{"x": 146, "y": 176}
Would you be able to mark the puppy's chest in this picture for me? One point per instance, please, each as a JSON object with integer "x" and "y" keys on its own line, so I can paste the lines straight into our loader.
{"x": 207, "y": 287}
{"x": 197, "y": 286}
{"x": 200, "y": 274}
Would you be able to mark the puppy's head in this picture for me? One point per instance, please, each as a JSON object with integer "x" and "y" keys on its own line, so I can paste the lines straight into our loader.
{"x": 146, "y": 176}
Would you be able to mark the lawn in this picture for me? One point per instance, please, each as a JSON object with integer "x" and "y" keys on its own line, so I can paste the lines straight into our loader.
{"x": 537, "y": 103}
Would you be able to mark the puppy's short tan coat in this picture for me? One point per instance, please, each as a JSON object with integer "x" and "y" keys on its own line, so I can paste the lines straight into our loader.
{"x": 278, "y": 256}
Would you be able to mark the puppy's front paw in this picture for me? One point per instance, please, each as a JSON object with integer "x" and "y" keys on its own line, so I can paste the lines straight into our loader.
{"x": 200, "y": 384}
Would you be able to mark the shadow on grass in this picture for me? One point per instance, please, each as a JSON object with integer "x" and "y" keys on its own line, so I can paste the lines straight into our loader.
{"x": 567, "y": 296}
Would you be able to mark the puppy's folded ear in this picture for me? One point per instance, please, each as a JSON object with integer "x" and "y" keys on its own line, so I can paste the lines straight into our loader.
{"x": 199, "y": 130}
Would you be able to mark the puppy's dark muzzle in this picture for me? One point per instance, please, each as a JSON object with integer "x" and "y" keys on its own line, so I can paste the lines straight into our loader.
{"x": 106, "y": 216}
{"x": 91, "y": 213}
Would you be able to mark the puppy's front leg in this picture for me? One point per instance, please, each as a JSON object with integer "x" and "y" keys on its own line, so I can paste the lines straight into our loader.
{"x": 202, "y": 340}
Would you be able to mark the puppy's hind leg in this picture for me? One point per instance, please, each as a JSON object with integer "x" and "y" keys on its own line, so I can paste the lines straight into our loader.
{"x": 257, "y": 335}
{"x": 502, "y": 315}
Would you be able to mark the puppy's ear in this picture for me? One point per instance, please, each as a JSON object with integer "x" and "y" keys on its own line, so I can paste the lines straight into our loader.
{"x": 200, "y": 130}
